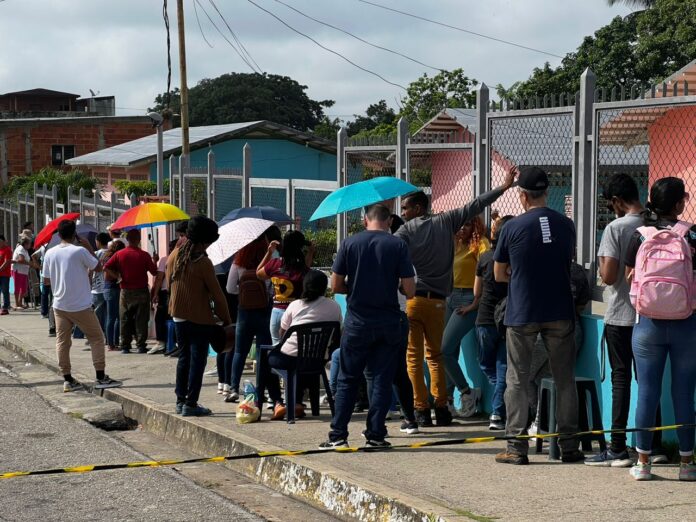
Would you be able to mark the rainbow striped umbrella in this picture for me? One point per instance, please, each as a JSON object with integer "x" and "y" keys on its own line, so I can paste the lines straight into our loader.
{"x": 149, "y": 215}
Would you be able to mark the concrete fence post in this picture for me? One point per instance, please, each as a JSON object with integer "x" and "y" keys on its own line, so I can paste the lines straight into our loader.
{"x": 246, "y": 175}
{"x": 583, "y": 179}
{"x": 342, "y": 179}
{"x": 211, "y": 184}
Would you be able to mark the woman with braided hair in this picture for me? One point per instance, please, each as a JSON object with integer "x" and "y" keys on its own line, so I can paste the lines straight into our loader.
{"x": 192, "y": 285}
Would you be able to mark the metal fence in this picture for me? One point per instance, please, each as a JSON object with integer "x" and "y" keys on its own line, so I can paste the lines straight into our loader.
{"x": 580, "y": 140}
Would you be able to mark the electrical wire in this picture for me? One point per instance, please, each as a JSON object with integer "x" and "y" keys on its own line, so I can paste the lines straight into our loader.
{"x": 231, "y": 44}
{"x": 234, "y": 36}
{"x": 361, "y": 39}
{"x": 200, "y": 27}
{"x": 373, "y": 73}
{"x": 460, "y": 29}
{"x": 167, "y": 95}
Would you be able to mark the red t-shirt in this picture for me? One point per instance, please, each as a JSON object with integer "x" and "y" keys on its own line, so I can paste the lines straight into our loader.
{"x": 6, "y": 255}
{"x": 133, "y": 264}
{"x": 287, "y": 283}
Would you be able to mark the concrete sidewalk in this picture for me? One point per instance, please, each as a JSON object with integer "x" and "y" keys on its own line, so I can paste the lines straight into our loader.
{"x": 451, "y": 483}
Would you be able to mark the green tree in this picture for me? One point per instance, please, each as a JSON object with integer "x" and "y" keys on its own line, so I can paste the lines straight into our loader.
{"x": 376, "y": 114}
{"x": 238, "y": 97}
{"x": 327, "y": 128}
{"x": 76, "y": 179}
{"x": 427, "y": 96}
{"x": 644, "y": 47}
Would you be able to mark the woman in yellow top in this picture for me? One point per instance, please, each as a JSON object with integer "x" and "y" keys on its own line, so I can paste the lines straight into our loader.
{"x": 461, "y": 309}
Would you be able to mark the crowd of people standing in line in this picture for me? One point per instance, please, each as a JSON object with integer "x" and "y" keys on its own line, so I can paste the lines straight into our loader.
{"x": 415, "y": 287}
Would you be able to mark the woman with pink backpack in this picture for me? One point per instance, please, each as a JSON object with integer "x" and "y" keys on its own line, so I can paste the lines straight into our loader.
{"x": 660, "y": 265}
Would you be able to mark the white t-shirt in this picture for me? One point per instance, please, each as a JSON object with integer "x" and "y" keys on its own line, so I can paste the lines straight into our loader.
{"x": 302, "y": 312}
{"x": 236, "y": 273}
{"x": 68, "y": 266}
{"x": 20, "y": 251}
{"x": 162, "y": 267}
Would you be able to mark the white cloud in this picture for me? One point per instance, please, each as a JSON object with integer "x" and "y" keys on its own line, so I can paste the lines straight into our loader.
{"x": 119, "y": 47}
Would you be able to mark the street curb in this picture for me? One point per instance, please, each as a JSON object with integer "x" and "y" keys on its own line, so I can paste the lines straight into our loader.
{"x": 339, "y": 492}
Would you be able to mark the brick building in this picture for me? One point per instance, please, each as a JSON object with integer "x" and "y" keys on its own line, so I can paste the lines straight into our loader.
{"x": 29, "y": 144}
{"x": 46, "y": 103}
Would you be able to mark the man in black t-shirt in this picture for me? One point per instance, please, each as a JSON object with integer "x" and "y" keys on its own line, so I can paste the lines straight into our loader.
{"x": 534, "y": 253}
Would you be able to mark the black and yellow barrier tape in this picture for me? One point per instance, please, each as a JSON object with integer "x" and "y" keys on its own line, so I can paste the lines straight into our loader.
{"x": 294, "y": 453}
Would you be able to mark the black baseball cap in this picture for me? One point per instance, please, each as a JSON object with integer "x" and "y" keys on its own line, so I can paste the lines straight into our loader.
{"x": 533, "y": 178}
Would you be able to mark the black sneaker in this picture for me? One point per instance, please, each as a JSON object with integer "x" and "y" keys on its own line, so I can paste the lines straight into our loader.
{"x": 377, "y": 444}
{"x": 572, "y": 456}
{"x": 174, "y": 353}
{"x": 107, "y": 382}
{"x": 125, "y": 350}
{"x": 179, "y": 407}
{"x": 364, "y": 434}
{"x": 142, "y": 349}
{"x": 51, "y": 333}
{"x": 410, "y": 428}
{"x": 195, "y": 411}
{"x": 443, "y": 417}
{"x": 333, "y": 444}
{"x": 424, "y": 419}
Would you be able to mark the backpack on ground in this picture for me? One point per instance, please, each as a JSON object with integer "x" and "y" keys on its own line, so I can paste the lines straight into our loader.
{"x": 663, "y": 284}
{"x": 252, "y": 291}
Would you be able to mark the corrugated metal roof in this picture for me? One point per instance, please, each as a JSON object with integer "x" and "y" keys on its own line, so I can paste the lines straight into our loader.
{"x": 40, "y": 92}
{"x": 144, "y": 149}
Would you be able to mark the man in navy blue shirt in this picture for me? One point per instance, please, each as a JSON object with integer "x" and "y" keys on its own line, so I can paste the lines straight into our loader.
{"x": 370, "y": 267}
{"x": 534, "y": 254}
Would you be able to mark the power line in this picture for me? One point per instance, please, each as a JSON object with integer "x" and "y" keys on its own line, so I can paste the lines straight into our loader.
{"x": 360, "y": 39}
{"x": 326, "y": 48}
{"x": 225, "y": 37}
{"x": 234, "y": 36}
{"x": 200, "y": 27}
{"x": 460, "y": 29}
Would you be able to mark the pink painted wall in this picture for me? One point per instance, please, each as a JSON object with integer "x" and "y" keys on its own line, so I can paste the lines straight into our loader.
{"x": 452, "y": 182}
{"x": 673, "y": 151}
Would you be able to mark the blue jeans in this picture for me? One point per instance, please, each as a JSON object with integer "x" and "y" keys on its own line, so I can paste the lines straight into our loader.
{"x": 376, "y": 349}
{"x": 194, "y": 340}
{"x": 276, "y": 316}
{"x": 112, "y": 326}
{"x": 250, "y": 324}
{"x": 653, "y": 341}
{"x": 45, "y": 299}
{"x": 456, "y": 328}
{"x": 5, "y": 290}
{"x": 493, "y": 361}
{"x": 224, "y": 367}
{"x": 333, "y": 371}
{"x": 99, "y": 306}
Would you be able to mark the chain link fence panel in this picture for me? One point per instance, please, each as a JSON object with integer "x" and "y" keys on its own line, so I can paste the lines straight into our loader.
{"x": 542, "y": 141}
{"x": 445, "y": 174}
{"x": 196, "y": 193}
{"x": 228, "y": 196}
{"x": 269, "y": 196}
{"x": 321, "y": 232}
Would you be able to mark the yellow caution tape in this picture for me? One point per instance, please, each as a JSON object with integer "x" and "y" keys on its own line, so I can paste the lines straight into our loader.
{"x": 295, "y": 453}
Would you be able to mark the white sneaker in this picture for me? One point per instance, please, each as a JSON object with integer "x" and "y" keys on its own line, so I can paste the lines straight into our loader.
{"x": 220, "y": 388}
{"x": 641, "y": 471}
{"x": 324, "y": 399}
{"x": 232, "y": 397}
{"x": 211, "y": 372}
{"x": 533, "y": 430}
{"x": 157, "y": 349}
{"x": 469, "y": 402}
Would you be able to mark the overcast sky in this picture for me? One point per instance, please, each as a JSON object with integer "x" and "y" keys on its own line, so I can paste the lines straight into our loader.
{"x": 118, "y": 47}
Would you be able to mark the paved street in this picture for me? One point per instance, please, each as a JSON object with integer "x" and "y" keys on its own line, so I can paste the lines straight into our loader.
{"x": 35, "y": 436}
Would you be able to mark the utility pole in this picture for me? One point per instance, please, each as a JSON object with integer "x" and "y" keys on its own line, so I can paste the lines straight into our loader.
{"x": 184, "y": 87}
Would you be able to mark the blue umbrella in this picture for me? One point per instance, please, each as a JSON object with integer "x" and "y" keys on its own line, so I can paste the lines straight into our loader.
{"x": 267, "y": 213}
{"x": 362, "y": 194}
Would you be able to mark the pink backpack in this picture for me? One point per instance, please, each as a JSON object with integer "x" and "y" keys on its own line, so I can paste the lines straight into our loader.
{"x": 663, "y": 285}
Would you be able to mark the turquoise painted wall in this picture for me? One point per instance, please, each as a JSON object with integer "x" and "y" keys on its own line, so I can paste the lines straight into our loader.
{"x": 271, "y": 158}
{"x": 588, "y": 365}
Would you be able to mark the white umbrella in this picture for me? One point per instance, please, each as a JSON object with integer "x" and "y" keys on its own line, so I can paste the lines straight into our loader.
{"x": 234, "y": 236}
